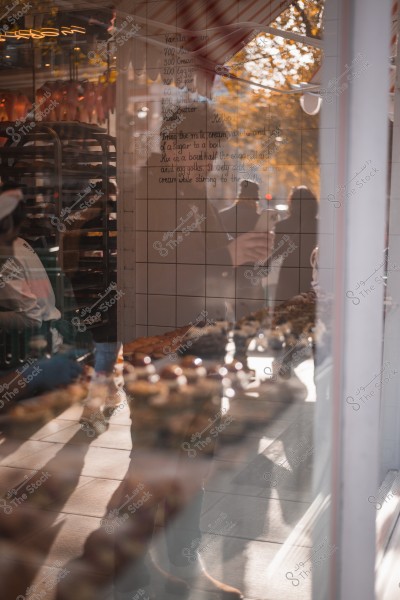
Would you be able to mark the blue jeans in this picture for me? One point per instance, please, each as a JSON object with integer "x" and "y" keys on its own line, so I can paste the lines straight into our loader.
{"x": 106, "y": 356}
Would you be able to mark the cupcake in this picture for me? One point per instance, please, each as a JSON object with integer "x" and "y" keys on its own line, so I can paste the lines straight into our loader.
{"x": 276, "y": 339}
{"x": 223, "y": 326}
{"x": 147, "y": 414}
{"x": 236, "y": 374}
{"x": 206, "y": 342}
{"x": 200, "y": 437}
{"x": 206, "y": 395}
{"x": 172, "y": 376}
{"x": 142, "y": 365}
{"x": 241, "y": 339}
{"x": 192, "y": 368}
{"x": 146, "y": 393}
{"x": 243, "y": 334}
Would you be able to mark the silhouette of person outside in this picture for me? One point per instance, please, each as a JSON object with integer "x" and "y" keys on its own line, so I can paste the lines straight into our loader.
{"x": 295, "y": 239}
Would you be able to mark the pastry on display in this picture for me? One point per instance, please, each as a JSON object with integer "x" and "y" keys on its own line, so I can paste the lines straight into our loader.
{"x": 276, "y": 339}
{"x": 46, "y": 406}
{"x": 185, "y": 403}
{"x": 248, "y": 327}
{"x": 205, "y": 395}
{"x": 297, "y": 313}
{"x": 203, "y": 434}
{"x": 243, "y": 333}
{"x": 192, "y": 367}
{"x": 158, "y": 346}
{"x": 173, "y": 377}
{"x": 181, "y": 403}
{"x": 147, "y": 393}
{"x": 300, "y": 311}
{"x": 139, "y": 367}
{"x": 207, "y": 342}
{"x": 170, "y": 412}
{"x": 146, "y": 400}
{"x": 259, "y": 406}
{"x": 216, "y": 372}
{"x": 236, "y": 374}
{"x": 289, "y": 324}
{"x": 161, "y": 411}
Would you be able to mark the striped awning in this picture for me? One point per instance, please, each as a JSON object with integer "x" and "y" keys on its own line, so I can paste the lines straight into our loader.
{"x": 183, "y": 41}
{"x": 393, "y": 42}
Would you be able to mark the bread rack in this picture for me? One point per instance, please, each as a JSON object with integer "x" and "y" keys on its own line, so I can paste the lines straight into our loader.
{"x": 58, "y": 163}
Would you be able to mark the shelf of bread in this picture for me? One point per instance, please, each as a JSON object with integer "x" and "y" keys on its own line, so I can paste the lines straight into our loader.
{"x": 69, "y": 171}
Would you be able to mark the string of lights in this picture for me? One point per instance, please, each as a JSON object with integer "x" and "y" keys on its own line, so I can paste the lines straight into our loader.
{"x": 43, "y": 32}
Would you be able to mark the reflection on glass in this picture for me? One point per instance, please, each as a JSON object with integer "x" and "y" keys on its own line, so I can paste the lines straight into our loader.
{"x": 189, "y": 451}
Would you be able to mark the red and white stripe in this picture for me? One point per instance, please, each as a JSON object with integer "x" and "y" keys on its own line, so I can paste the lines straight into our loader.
{"x": 225, "y": 23}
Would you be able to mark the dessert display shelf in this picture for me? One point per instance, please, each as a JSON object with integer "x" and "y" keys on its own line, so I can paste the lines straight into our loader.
{"x": 182, "y": 395}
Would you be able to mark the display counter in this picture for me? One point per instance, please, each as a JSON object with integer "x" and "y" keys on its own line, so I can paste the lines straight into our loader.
{"x": 184, "y": 414}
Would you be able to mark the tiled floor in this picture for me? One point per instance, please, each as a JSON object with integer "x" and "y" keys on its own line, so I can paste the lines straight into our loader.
{"x": 53, "y": 525}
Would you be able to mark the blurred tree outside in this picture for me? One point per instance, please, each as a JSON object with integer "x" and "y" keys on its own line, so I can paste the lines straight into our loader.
{"x": 275, "y": 141}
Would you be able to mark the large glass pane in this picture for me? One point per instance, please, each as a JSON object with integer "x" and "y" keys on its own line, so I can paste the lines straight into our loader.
{"x": 385, "y": 499}
{"x": 191, "y": 458}
{"x": 226, "y": 187}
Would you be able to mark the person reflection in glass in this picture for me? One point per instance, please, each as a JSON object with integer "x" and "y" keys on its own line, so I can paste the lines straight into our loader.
{"x": 183, "y": 169}
{"x": 295, "y": 239}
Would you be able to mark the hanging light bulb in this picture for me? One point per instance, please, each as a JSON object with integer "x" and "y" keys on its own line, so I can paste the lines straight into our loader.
{"x": 310, "y": 103}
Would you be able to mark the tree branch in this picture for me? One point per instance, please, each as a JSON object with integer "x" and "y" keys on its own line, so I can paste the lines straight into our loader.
{"x": 306, "y": 20}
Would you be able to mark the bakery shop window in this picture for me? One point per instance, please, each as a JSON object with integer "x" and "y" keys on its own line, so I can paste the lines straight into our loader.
{"x": 57, "y": 144}
{"x": 227, "y": 171}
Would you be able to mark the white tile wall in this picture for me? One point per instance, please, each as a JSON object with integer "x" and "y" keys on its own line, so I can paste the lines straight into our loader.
{"x": 141, "y": 278}
{"x": 162, "y": 310}
{"x": 188, "y": 308}
{"x": 162, "y": 214}
{"x": 162, "y": 279}
{"x": 141, "y": 309}
{"x": 191, "y": 280}
{"x": 175, "y": 282}
{"x": 220, "y": 281}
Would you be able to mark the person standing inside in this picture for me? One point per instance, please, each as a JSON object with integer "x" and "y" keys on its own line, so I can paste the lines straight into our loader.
{"x": 26, "y": 294}
{"x": 21, "y": 310}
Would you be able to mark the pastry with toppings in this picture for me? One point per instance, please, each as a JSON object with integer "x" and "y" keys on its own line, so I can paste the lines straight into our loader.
{"x": 207, "y": 342}
{"x": 192, "y": 367}
{"x": 139, "y": 366}
{"x": 236, "y": 374}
